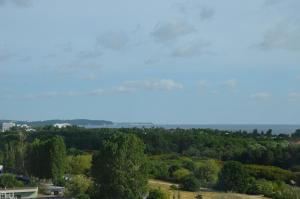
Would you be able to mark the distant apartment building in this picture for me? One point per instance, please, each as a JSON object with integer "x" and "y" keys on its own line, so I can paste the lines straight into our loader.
{"x": 7, "y": 126}
{"x": 62, "y": 125}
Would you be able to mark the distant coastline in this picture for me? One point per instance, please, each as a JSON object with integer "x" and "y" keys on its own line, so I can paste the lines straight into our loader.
{"x": 87, "y": 123}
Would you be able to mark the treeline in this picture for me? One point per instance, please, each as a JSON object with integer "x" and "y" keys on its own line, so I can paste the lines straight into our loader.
{"x": 253, "y": 148}
{"x": 116, "y": 163}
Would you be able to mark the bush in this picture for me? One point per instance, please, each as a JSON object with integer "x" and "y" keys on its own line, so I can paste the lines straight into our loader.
{"x": 207, "y": 172}
{"x": 269, "y": 173}
{"x": 159, "y": 170}
{"x": 78, "y": 185}
{"x": 82, "y": 196}
{"x": 233, "y": 177}
{"x": 157, "y": 194}
{"x": 297, "y": 178}
{"x": 277, "y": 190}
{"x": 190, "y": 183}
{"x": 179, "y": 174}
{"x": 79, "y": 164}
{"x": 9, "y": 181}
{"x": 190, "y": 165}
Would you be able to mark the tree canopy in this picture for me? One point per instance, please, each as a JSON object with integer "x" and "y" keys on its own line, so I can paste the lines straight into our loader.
{"x": 119, "y": 168}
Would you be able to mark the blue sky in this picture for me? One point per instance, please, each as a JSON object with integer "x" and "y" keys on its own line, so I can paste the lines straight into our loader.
{"x": 171, "y": 61}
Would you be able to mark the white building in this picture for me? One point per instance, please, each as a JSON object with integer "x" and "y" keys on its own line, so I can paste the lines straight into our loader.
{"x": 16, "y": 193}
{"x": 7, "y": 125}
{"x": 62, "y": 125}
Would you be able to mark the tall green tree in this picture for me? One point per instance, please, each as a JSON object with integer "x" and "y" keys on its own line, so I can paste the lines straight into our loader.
{"x": 58, "y": 158}
{"x": 233, "y": 177}
{"x": 119, "y": 168}
{"x": 47, "y": 159}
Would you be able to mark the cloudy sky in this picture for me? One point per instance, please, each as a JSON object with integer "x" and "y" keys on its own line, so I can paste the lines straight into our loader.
{"x": 171, "y": 61}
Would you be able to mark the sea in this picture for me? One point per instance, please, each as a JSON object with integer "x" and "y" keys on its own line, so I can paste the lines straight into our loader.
{"x": 276, "y": 128}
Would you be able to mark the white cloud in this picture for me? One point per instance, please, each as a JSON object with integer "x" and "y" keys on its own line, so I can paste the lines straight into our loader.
{"x": 19, "y": 3}
{"x": 206, "y": 13}
{"x": 294, "y": 95}
{"x": 283, "y": 36}
{"x": 272, "y": 2}
{"x": 5, "y": 55}
{"x": 202, "y": 85}
{"x": 261, "y": 96}
{"x": 89, "y": 77}
{"x": 126, "y": 87}
{"x": 170, "y": 31}
{"x": 114, "y": 40}
{"x": 190, "y": 49}
{"x": 195, "y": 10}
{"x": 89, "y": 54}
{"x": 161, "y": 84}
{"x": 231, "y": 84}
{"x": 151, "y": 61}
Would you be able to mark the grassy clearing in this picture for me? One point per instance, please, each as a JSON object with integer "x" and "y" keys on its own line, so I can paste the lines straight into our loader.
{"x": 205, "y": 193}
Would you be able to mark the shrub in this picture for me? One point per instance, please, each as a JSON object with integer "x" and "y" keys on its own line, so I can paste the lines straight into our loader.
{"x": 78, "y": 185}
{"x": 277, "y": 190}
{"x": 9, "y": 181}
{"x": 190, "y": 165}
{"x": 157, "y": 194}
{"x": 190, "y": 183}
{"x": 159, "y": 170}
{"x": 82, "y": 196}
{"x": 297, "y": 178}
{"x": 269, "y": 173}
{"x": 180, "y": 174}
{"x": 233, "y": 177}
{"x": 207, "y": 172}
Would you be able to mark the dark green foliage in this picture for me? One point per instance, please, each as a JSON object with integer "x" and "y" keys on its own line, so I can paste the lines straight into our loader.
{"x": 233, "y": 177}
{"x": 14, "y": 153}
{"x": 277, "y": 190}
{"x": 82, "y": 196}
{"x": 38, "y": 152}
{"x": 207, "y": 172}
{"x": 269, "y": 173}
{"x": 119, "y": 168}
{"x": 254, "y": 148}
{"x": 158, "y": 169}
{"x": 57, "y": 159}
{"x": 157, "y": 194}
{"x": 51, "y": 158}
{"x": 9, "y": 181}
{"x": 296, "y": 134}
{"x": 190, "y": 183}
{"x": 297, "y": 178}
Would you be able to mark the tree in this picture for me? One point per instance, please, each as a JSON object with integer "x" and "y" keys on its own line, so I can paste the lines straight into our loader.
{"x": 180, "y": 174}
{"x": 57, "y": 159}
{"x": 191, "y": 183}
{"x": 157, "y": 194}
{"x": 207, "y": 173}
{"x": 119, "y": 168}
{"x": 9, "y": 181}
{"x": 38, "y": 152}
{"x": 14, "y": 153}
{"x": 233, "y": 177}
{"x": 51, "y": 158}
{"x": 79, "y": 164}
{"x": 78, "y": 185}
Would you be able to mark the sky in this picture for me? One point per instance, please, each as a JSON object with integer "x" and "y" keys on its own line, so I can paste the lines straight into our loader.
{"x": 167, "y": 62}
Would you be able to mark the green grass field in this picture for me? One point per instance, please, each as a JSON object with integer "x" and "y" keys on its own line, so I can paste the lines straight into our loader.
{"x": 205, "y": 193}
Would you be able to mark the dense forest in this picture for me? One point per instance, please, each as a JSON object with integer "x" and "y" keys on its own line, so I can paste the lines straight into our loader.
{"x": 253, "y": 163}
